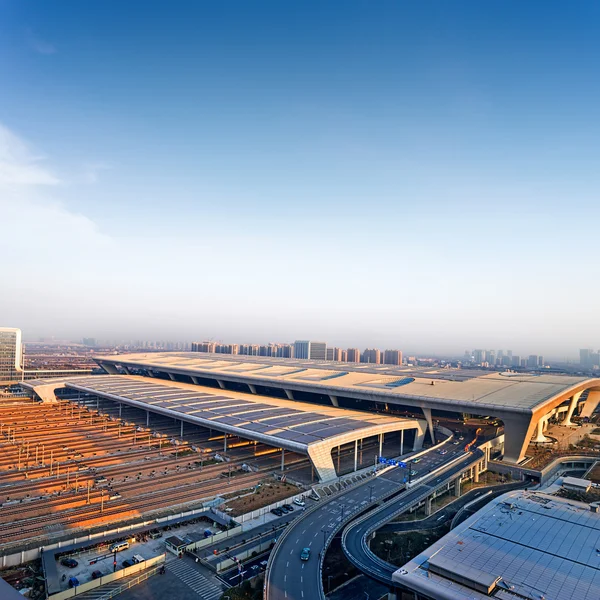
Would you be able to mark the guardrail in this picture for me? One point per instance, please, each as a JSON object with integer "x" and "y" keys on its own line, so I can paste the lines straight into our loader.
{"x": 477, "y": 455}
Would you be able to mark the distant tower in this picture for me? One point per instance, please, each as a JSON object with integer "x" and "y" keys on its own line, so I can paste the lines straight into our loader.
{"x": 11, "y": 354}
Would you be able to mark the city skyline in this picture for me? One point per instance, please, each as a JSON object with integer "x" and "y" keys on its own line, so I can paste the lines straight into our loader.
{"x": 148, "y": 201}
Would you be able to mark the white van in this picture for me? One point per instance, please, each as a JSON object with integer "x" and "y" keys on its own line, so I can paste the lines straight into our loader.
{"x": 118, "y": 546}
{"x": 138, "y": 558}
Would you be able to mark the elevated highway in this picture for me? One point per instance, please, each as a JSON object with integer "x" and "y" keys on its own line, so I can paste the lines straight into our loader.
{"x": 290, "y": 578}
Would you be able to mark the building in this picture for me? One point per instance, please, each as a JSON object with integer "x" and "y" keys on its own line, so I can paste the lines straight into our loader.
{"x": 310, "y": 350}
{"x": 334, "y": 354}
{"x": 371, "y": 356}
{"x": 392, "y": 357}
{"x": 524, "y": 402}
{"x": 12, "y": 360}
{"x": 522, "y": 545}
{"x": 532, "y": 361}
{"x": 479, "y": 356}
{"x": 11, "y": 354}
{"x": 540, "y": 361}
{"x": 353, "y": 355}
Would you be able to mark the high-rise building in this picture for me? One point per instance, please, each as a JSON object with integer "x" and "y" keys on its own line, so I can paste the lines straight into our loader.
{"x": 490, "y": 356}
{"x": 392, "y": 357}
{"x": 11, "y": 354}
{"x": 372, "y": 356}
{"x": 516, "y": 360}
{"x": 540, "y": 361}
{"x": 585, "y": 360}
{"x": 204, "y": 347}
{"x": 353, "y": 355}
{"x": 532, "y": 361}
{"x": 478, "y": 356}
{"x": 310, "y": 350}
{"x": 334, "y": 354}
{"x": 344, "y": 355}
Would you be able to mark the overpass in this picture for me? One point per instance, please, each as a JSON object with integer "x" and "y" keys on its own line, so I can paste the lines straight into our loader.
{"x": 308, "y": 429}
{"x": 523, "y": 401}
{"x": 289, "y": 578}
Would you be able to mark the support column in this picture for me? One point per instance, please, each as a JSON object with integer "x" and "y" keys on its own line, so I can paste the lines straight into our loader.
{"x": 590, "y": 404}
{"x": 194, "y": 379}
{"x": 355, "y": 454}
{"x": 252, "y": 388}
{"x": 282, "y": 459}
{"x": 221, "y": 384}
{"x": 427, "y": 413}
{"x": 457, "y": 487}
{"x": 224, "y": 442}
{"x": 181, "y": 435}
{"x": 110, "y": 369}
{"x": 147, "y": 418}
{"x": 518, "y": 430}
{"x": 381, "y": 443}
{"x": 289, "y": 394}
{"x": 97, "y": 402}
{"x": 171, "y": 376}
{"x": 540, "y": 437}
{"x": 120, "y": 409}
{"x": 126, "y": 369}
{"x": 428, "y": 506}
{"x": 334, "y": 401}
{"x": 401, "y": 442}
{"x": 572, "y": 407}
{"x": 476, "y": 473}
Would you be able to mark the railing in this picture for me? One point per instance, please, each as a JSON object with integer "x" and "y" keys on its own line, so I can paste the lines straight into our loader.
{"x": 129, "y": 584}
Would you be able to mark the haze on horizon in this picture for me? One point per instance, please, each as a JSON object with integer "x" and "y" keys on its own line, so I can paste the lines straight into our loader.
{"x": 418, "y": 176}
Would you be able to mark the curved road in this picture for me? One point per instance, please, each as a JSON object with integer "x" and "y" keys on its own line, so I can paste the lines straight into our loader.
{"x": 354, "y": 540}
{"x": 288, "y": 577}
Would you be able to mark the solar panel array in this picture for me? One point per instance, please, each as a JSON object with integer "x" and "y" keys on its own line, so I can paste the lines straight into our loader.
{"x": 214, "y": 409}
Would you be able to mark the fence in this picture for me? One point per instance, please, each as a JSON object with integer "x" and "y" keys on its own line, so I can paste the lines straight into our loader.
{"x": 90, "y": 585}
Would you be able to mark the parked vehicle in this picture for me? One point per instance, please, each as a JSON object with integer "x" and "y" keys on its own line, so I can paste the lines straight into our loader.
{"x": 118, "y": 546}
{"x": 284, "y": 509}
{"x": 277, "y": 511}
{"x": 288, "y": 507}
{"x": 96, "y": 574}
{"x": 138, "y": 558}
{"x": 127, "y": 563}
{"x": 69, "y": 562}
{"x": 299, "y": 502}
{"x": 154, "y": 534}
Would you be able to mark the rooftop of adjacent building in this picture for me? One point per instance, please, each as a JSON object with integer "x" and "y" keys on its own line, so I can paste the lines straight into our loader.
{"x": 532, "y": 544}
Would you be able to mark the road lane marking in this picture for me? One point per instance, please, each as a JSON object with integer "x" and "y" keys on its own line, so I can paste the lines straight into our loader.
{"x": 287, "y": 564}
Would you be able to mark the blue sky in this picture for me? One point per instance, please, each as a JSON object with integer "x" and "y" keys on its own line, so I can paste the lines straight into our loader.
{"x": 419, "y": 175}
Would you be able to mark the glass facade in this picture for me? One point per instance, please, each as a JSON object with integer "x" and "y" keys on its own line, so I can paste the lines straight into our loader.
{"x": 10, "y": 354}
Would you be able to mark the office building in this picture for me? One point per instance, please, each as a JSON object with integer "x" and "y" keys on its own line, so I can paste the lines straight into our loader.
{"x": 334, "y": 354}
{"x": 11, "y": 354}
{"x": 540, "y": 361}
{"x": 478, "y": 356}
{"x": 532, "y": 361}
{"x": 344, "y": 355}
{"x": 392, "y": 357}
{"x": 310, "y": 350}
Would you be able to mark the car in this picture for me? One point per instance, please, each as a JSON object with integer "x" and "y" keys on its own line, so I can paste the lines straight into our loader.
{"x": 299, "y": 502}
{"x": 289, "y": 507}
{"x": 277, "y": 511}
{"x": 284, "y": 509}
{"x": 416, "y": 460}
{"x": 444, "y": 451}
{"x": 305, "y": 554}
{"x": 413, "y": 473}
{"x": 263, "y": 564}
{"x": 456, "y": 443}
{"x": 127, "y": 563}
{"x": 73, "y": 582}
{"x": 96, "y": 574}
{"x": 461, "y": 438}
{"x": 69, "y": 562}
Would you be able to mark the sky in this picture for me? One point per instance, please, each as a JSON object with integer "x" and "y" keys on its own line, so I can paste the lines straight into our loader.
{"x": 416, "y": 175}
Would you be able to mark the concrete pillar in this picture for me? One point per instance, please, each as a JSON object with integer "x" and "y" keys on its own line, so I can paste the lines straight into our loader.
{"x": 355, "y": 454}
{"x": 110, "y": 369}
{"x": 419, "y": 437}
{"x": 147, "y": 418}
{"x": 252, "y": 388}
{"x": 194, "y": 379}
{"x": 97, "y": 402}
{"x": 457, "y": 487}
{"x": 126, "y": 369}
{"x": 120, "y": 409}
{"x": 572, "y": 407}
{"x": 590, "y": 404}
{"x": 334, "y": 401}
{"x": 518, "y": 430}
{"x": 289, "y": 394}
{"x": 427, "y": 413}
{"x": 282, "y": 459}
{"x": 401, "y": 442}
{"x": 476, "y": 473}
{"x": 224, "y": 442}
{"x": 221, "y": 384}
{"x": 381, "y": 444}
{"x": 540, "y": 437}
{"x": 171, "y": 376}
{"x": 428, "y": 506}
{"x": 181, "y": 435}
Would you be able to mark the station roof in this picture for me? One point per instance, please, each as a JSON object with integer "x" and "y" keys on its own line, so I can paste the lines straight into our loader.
{"x": 519, "y": 392}
{"x": 540, "y": 546}
{"x": 281, "y": 423}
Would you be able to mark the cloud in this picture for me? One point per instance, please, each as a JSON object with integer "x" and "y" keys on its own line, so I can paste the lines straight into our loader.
{"x": 91, "y": 171}
{"x": 38, "y": 44}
